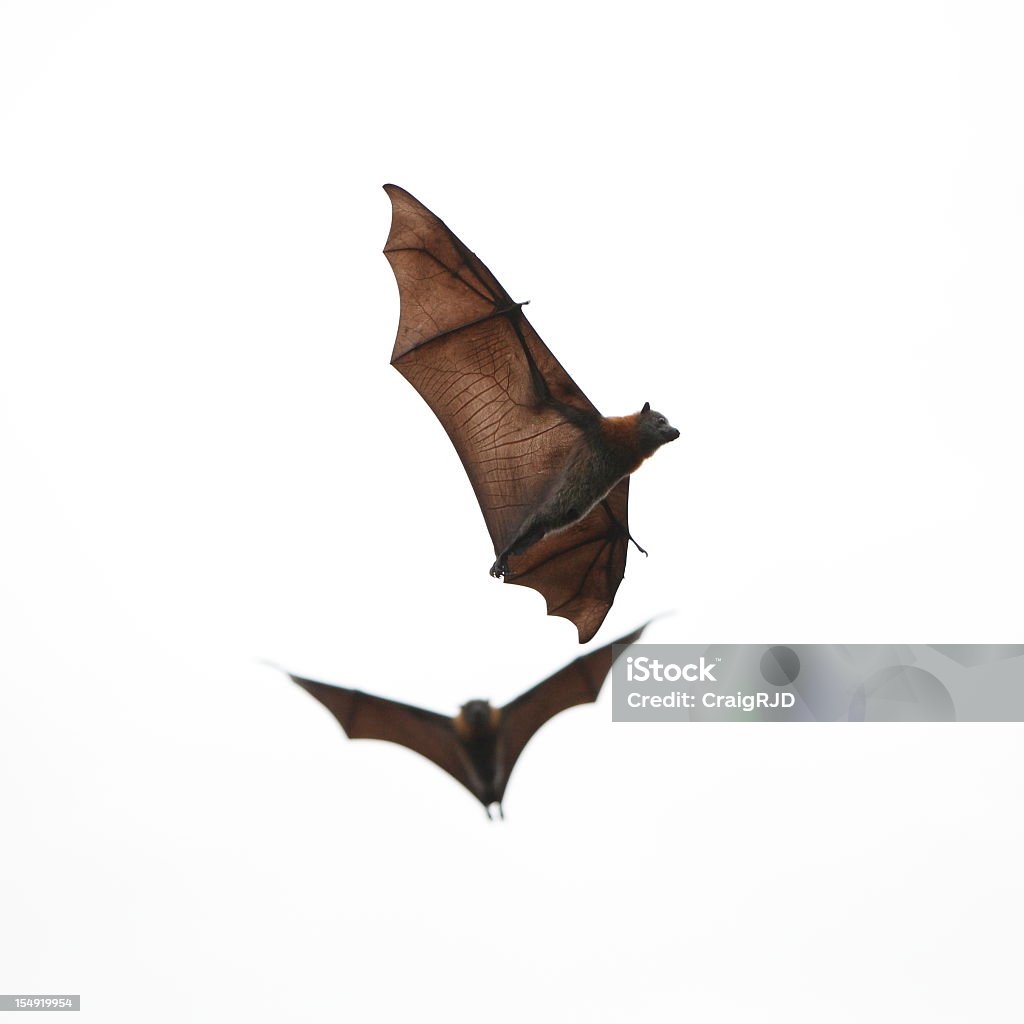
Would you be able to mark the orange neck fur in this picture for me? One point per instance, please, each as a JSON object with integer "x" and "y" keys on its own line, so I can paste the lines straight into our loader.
{"x": 622, "y": 436}
{"x": 465, "y": 731}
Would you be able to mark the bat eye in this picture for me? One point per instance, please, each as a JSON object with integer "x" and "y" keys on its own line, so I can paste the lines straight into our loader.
{"x": 662, "y": 421}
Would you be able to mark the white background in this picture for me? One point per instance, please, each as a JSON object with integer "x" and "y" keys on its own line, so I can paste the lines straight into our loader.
{"x": 795, "y": 228}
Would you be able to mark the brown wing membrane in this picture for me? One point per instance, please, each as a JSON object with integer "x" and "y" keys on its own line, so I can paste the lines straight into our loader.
{"x": 509, "y": 408}
{"x": 579, "y": 569}
{"x": 364, "y": 716}
{"x": 578, "y": 683}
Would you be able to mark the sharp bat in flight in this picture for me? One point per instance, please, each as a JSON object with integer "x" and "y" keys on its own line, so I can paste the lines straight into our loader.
{"x": 550, "y": 472}
{"x": 481, "y": 744}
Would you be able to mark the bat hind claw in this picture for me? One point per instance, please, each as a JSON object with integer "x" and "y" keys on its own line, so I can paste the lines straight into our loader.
{"x": 500, "y": 567}
{"x": 643, "y": 551}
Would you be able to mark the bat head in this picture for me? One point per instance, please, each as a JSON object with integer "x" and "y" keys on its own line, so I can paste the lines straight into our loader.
{"x": 476, "y": 718}
{"x": 655, "y": 429}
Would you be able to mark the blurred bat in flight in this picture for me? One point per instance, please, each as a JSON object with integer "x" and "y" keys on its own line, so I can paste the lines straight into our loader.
{"x": 480, "y": 745}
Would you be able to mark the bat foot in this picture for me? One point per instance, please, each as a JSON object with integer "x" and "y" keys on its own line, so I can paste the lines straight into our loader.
{"x": 643, "y": 551}
{"x": 500, "y": 567}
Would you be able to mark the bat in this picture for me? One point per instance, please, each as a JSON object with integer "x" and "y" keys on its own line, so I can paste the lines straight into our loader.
{"x": 480, "y": 745}
{"x": 551, "y": 474}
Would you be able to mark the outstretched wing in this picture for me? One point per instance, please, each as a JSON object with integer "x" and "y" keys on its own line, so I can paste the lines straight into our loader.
{"x": 364, "y": 716}
{"x": 509, "y": 408}
{"x": 578, "y": 683}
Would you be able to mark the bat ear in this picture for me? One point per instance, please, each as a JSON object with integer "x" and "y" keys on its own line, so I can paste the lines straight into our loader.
{"x": 647, "y": 407}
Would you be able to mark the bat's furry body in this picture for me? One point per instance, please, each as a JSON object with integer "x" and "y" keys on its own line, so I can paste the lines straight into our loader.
{"x": 597, "y": 462}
